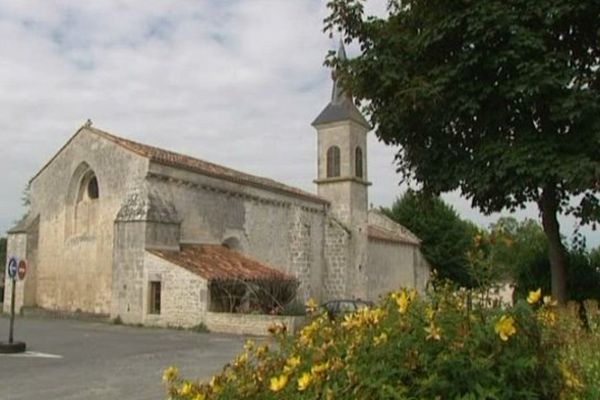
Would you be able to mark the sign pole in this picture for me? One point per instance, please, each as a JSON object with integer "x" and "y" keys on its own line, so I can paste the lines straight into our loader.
{"x": 15, "y": 268}
{"x": 12, "y": 312}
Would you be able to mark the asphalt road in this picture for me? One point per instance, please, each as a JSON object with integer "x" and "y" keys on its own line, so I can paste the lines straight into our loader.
{"x": 95, "y": 360}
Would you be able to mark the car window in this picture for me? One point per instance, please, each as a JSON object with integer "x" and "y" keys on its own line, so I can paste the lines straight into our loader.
{"x": 331, "y": 307}
{"x": 347, "y": 306}
{"x": 361, "y": 304}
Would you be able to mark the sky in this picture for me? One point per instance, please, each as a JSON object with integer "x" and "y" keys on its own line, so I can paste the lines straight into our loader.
{"x": 232, "y": 82}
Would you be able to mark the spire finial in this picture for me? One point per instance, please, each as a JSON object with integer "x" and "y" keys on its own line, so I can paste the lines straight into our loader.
{"x": 88, "y": 123}
{"x": 341, "y": 54}
{"x": 337, "y": 94}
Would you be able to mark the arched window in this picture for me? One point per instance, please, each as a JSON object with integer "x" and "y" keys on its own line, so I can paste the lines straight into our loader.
{"x": 333, "y": 161}
{"x": 358, "y": 162}
{"x": 92, "y": 188}
{"x": 88, "y": 189}
{"x": 82, "y": 203}
{"x": 232, "y": 243}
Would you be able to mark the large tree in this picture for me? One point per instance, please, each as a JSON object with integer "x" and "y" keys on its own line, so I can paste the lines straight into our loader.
{"x": 497, "y": 98}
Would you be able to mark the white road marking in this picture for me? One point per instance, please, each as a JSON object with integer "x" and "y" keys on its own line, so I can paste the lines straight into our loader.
{"x": 33, "y": 354}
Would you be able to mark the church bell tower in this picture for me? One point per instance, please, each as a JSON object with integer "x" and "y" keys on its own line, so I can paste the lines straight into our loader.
{"x": 342, "y": 155}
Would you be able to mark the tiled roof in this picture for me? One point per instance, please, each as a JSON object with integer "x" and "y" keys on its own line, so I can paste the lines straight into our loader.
{"x": 379, "y": 233}
{"x": 217, "y": 263}
{"x": 178, "y": 160}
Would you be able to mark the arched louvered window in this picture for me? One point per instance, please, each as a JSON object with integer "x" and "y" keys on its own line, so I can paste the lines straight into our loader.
{"x": 333, "y": 161}
{"x": 358, "y": 162}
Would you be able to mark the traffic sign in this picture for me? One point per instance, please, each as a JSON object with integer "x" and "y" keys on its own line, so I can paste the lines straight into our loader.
{"x": 12, "y": 267}
{"x": 22, "y": 270}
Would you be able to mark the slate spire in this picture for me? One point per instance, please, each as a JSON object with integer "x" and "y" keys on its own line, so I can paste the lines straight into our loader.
{"x": 337, "y": 93}
{"x": 341, "y": 107}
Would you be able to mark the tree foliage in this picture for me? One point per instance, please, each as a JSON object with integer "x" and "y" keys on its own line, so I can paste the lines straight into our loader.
{"x": 446, "y": 238}
{"x": 500, "y": 99}
{"x": 523, "y": 251}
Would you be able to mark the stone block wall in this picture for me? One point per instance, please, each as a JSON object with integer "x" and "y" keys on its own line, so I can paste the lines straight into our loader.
{"x": 128, "y": 271}
{"x": 337, "y": 254}
{"x": 300, "y": 253}
{"x": 250, "y": 324}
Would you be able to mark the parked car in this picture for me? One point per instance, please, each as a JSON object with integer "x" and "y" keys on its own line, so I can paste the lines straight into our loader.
{"x": 336, "y": 308}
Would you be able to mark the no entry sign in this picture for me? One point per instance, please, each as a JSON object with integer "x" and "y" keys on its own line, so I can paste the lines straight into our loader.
{"x": 22, "y": 270}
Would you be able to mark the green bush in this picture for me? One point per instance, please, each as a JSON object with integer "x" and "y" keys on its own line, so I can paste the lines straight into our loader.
{"x": 293, "y": 308}
{"x": 200, "y": 328}
{"x": 415, "y": 347}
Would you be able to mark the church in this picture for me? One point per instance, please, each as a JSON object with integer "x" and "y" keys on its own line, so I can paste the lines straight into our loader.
{"x": 143, "y": 234}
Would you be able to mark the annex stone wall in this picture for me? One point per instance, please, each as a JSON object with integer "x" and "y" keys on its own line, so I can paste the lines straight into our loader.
{"x": 184, "y": 295}
{"x": 394, "y": 265}
{"x": 250, "y": 324}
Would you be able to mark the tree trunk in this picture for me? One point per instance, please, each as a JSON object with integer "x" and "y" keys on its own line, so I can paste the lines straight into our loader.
{"x": 548, "y": 205}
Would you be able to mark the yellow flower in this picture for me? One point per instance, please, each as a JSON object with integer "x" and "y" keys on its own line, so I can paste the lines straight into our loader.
{"x": 214, "y": 385}
{"x": 403, "y": 301}
{"x": 311, "y": 305}
{"x": 291, "y": 363}
{"x": 329, "y": 395}
{"x": 549, "y": 302}
{"x": 534, "y": 297}
{"x": 569, "y": 377}
{"x": 377, "y": 340}
{"x": 261, "y": 351}
{"x": 429, "y": 313}
{"x": 433, "y": 332}
{"x": 547, "y": 317}
{"x": 319, "y": 368}
{"x": 505, "y": 327}
{"x": 186, "y": 389}
{"x": 278, "y": 383}
{"x": 249, "y": 345}
{"x": 170, "y": 374}
{"x": 304, "y": 381}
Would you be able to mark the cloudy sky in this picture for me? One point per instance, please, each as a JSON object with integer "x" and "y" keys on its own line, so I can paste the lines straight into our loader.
{"x": 232, "y": 82}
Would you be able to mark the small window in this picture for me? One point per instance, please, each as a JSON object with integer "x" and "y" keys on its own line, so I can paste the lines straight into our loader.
{"x": 92, "y": 188}
{"x": 358, "y": 160}
{"x": 333, "y": 162}
{"x": 154, "y": 298}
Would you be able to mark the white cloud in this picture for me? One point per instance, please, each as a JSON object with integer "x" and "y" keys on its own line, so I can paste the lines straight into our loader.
{"x": 221, "y": 80}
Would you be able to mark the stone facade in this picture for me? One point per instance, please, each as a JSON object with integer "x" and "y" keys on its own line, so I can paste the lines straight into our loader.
{"x": 103, "y": 206}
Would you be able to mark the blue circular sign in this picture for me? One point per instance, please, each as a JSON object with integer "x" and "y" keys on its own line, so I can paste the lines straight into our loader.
{"x": 13, "y": 266}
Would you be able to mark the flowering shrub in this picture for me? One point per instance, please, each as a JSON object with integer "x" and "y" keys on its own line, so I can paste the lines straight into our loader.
{"x": 438, "y": 346}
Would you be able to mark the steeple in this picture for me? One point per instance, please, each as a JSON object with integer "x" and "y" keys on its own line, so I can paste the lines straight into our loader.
{"x": 337, "y": 93}
{"x": 341, "y": 107}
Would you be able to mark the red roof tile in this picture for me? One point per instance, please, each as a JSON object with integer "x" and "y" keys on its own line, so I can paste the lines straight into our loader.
{"x": 379, "y": 233}
{"x": 178, "y": 160}
{"x": 215, "y": 262}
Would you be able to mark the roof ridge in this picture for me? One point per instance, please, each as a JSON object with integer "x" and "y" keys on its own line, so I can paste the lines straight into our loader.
{"x": 170, "y": 157}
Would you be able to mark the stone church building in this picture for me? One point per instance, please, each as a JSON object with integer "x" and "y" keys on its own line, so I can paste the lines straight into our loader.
{"x": 124, "y": 229}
